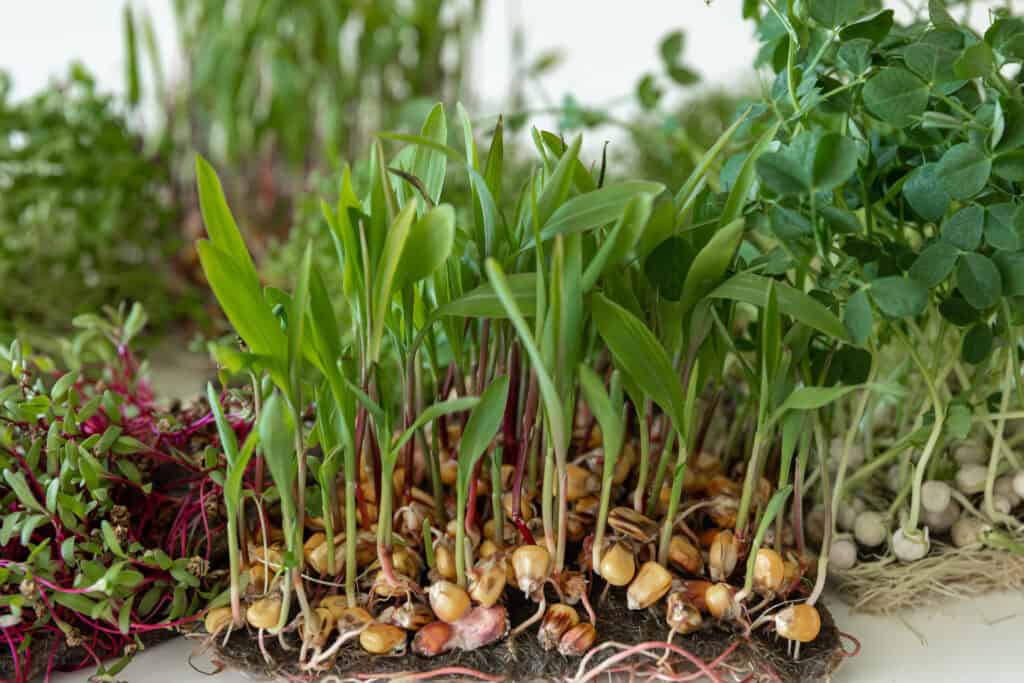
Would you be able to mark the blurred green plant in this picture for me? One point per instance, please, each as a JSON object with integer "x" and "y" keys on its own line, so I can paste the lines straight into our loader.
{"x": 85, "y": 216}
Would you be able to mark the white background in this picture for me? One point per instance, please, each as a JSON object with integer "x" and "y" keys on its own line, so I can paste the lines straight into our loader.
{"x": 607, "y": 45}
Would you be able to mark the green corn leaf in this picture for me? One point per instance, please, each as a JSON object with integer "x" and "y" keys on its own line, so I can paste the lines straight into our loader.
{"x": 427, "y": 247}
{"x": 242, "y": 302}
{"x": 558, "y": 185}
{"x": 297, "y": 320}
{"x": 484, "y": 302}
{"x": 617, "y": 245}
{"x": 383, "y": 286}
{"x": 455, "y": 405}
{"x": 277, "y": 434}
{"x": 228, "y": 440}
{"x": 235, "y": 478}
{"x": 609, "y": 416}
{"x": 684, "y": 199}
{"x": 752, "y": 289}
{"x": 711, "y": 264}
{"x": 597, "y": 208}
{"x": 482, "y": 426}
{"x": 745, "y": 179}
{"x": 552, "y": 402}
{"x": 220, "y": 224}
{"x": 640, "y": 355}
{"x": 429, "y": 165}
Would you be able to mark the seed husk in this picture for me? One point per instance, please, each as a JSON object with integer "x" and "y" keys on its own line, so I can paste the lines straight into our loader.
{"x": 383, "y": 639}
{"x": 487, "y": 584}
{"x": 652, "y": 582}
{"x": 769, "y": 571}
{"x": 684, "y": 555}
{"x": 449, "y": 601}
{"x": 433, "y": 639}
{"x": 577, "y": 640}
{"x": 216, "y": 619}
{"x": 720, "y": 601}
{"x": 681, "y": 614}
{"x": 629, "y": 522}
{"x": 722, "y": 556}
{"x": 618, "y": 565}
{"x": 531, "y": 564}
{"x": 558, "y": 619}
{"x": 801, "y": 623}
{"x": 264, "y": 613}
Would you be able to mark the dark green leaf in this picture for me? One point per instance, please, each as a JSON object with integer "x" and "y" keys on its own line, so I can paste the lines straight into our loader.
{"x": 858, "y": 317}
{"x": 963, "y": 229}
{"x": 979, "y": 281}
{"x": 832, "y": 13}
{"x": 899, "y": 297}
{"x": 964, "y": 170}
{"x": 957, "y": 311}
{"x": 896, "y": 96}
{"x": 925, "y": 193}
{"x": 597, "y": 208}
{"x": 711, "y": 264}
{"x": 482, "y": 426}
{"x": 934, "y": 264}
{"x": 1004, "y": 226}
{"x": 835, "y": 160}
{"x": 667, "y": 266}
{"x": 976, "y": 61}
{"x": 977, "y": 344}
{"x": 1011, "y": 269}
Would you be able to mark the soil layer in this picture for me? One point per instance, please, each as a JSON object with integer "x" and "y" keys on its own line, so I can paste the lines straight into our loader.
{"x": 764, "y": 654}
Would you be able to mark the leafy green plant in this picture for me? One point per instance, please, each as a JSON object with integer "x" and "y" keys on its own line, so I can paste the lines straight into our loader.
{"x": 83, "y": 210}
{"x": 98, "y": 534}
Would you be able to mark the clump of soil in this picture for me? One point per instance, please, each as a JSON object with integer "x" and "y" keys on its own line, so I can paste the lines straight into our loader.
{"x": 763, "y": 654}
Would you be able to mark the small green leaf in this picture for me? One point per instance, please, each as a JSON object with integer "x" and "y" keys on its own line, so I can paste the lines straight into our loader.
{"x": 595, "y": 209}
{"x": 977, "y": 344}
{"x": 1011, "y": 270}
{"x": 896, "y": 96}
{"x": 899, "y": 297}
{"x": 979, "y": 281}
{"x": 484, "y": 302}
{"x": 964, "y": 171}
{"x": 110, "y": 539}
{"x": 482, "y": 426}
{"x": 835, "y": 160}
{"x": 1004, "y": 226}
{"x": 711, "y": 264}
{"x": 859, "y": 318}
{"x": 832, "y": 13}
{"x": 429, "y": 243}
{"x": 976, "y": 61}
{"x": 666, "y": 267}
{"x": 934, "y": 264}
{"x": 925, "y": 193}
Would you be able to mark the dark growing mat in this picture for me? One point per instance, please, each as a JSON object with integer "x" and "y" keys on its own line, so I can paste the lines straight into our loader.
{"x": 763, "y": 654}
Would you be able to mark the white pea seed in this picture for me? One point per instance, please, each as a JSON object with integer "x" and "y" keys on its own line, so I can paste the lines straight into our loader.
{"x": 941, "y": 522}
{"x": 935, "y": 496}
{"x": 910, "y": 548}
{"x": 970, "y": 453}
{"x": 848, "y": 511}
{"x": 966, "y": 531}
{"x": 1001, "y": 504}
{"x": 1004, "y": 487}
{"x": 854, "y": 458}
{"x": 971, "y": 478}
{"x": 1018, "y": 484}
{"x": 893, "y": 480}
{"x": 814, "y": 525}
{"x": 843, "y": 554}
{"x": 869, "y": 529}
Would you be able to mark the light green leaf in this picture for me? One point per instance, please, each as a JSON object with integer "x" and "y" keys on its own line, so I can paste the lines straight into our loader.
{"x": 484, "y": 302}
{"x": 979, "y": 281}
{"x": 896, "y": 96}
{"x": 753, "y": 289}
{"x": 899, "y": 297}
{"x": 711, "y": 264}
{"x": 597, "y": 208}
{"x": 427, "y": 247}
{"x": 482, "y": 426}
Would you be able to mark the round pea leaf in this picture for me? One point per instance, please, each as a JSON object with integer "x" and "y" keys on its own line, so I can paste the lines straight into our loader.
{"x": 979, "y": 281}
{"x": 1004, "y": 226}
{"x": 934, "y": 264}
{"x": 977, "y": 344}
{"x": 1011, "y": 269}
{"x": 832, "y": 13}
{"x": 963, "y": 229}
{"x": 957, "y": 311}
{"x": 858, "y": 317}
{"x": 896, "y": 96}
{"x": 835, "y": 160}
{"x": 932, "y": 61}
{"x": 964, "y": 170}
{"x": 899, "y": 297}
{"x": 925, "y": 194}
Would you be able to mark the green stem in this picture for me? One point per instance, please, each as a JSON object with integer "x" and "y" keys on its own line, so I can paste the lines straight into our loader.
{"x": 749, "y": 481}
{"x": 659, "y": 475}
{"x": 546, "y": 497}
{"x": 673, "y": 502}
{"x": 851, "y": 434}
{"x": 910, "y": 527}
{"x": 645, "y": 457}
{"x": 498, "y": 510}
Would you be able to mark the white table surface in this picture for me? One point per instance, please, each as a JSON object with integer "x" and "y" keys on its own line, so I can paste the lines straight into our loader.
{"x": 979, "y": 640}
